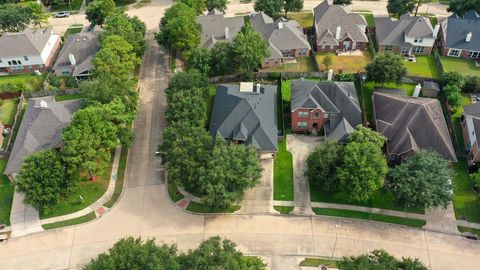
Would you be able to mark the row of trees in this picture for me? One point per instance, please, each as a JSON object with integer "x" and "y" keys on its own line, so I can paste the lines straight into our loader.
{"x": 217, "y": 253}
{"x": 50, "y": 176}
{"x": 210, "y": 168}
{"x": 359, "y": 168}
{"x": 15, "y": 17}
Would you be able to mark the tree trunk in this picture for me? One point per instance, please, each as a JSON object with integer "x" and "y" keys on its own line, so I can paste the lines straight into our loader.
{"x": 418, "y": 6}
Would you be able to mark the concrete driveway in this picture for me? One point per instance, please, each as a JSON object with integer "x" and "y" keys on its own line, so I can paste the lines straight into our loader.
{"x": 259, "y": 200}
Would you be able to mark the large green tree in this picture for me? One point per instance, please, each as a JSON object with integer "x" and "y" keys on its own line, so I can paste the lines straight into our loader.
{"x": 187, "y": 106}
{"x": 132, "y": 29}
{"x": 365, "y": 135}
{"x": 198, "y": 5}
{"x": 220, "y": 5}
{"x": 386, "y": 68}
{"x": 37, "y": 14}
{"x": 177, "y": 10}
{"x": 13, "y": 18}
{"x": 322, "y": 165}
{"x": 269, "y": 7}
{"x": 249, "y": 49}
{"x": 200, "y": 60}
{"x": 292, "y": 6}
{"x": 115, "y": 58}
{"x": 42, "y": 180}
{"x": 460, "y": 7}
{"x": 180, "y": 33}
{"x": 342, "y": 2}
{"x": 379, "y": 260}
{"x": 453, "y": 78}
{"x": 187, "y": 80}
{"x": 98, "y": 11}
{"x": 221, "y": 59}
{"x": 423, "y": 181}
{"x": 400, "y": 7}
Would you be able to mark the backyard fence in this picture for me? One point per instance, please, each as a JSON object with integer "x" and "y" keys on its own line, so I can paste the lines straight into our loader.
{"x": 438, "y": 61}
{"x": 16, "y": 122}
{"x": 265, "y": 75}
{"x": 45, "y": 93}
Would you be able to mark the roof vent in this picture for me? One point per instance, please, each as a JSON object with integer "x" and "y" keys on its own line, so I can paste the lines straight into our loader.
{"x": 469, "y": 37}
{"x": 84, "y": 39}
{"x": 77, "y": 39}
{"x": 257, "y": 88}
{"x": 43, "y": 104}
{"x": 71, "y": 57}
{"x": 337, "y": 34}
{"x": 280, "y": 25}
{"x": 227, "y": 33}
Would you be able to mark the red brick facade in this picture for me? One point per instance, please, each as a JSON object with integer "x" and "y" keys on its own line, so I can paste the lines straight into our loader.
{"x": 398, "y": 50}
{"x": 363, "y": 46}
{"x": 295, "y": 53}
{"x": 314, "y": 120}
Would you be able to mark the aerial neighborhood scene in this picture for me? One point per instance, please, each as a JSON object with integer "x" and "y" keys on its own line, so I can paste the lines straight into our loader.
{"x": 240, "y": 134}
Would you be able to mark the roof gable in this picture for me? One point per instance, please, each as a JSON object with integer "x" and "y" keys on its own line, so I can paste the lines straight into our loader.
{"x": 214, "y": 27}
{"x": 83, "y": 46}
{"x": 26, "y": 43}
{"x": 455, "y": 30}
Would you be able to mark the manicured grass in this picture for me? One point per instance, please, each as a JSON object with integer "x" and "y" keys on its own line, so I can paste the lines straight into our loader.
{"x": 24, "y": 82}
{"x": 13, "y": 135}
{"x": 303, "y": 64}
{"x": 283, "y": 173}
{"x": 431, "y": 17}
{"x": 368, "y": 216}
{"x": 122, "y": 165}
{"x": 368, "y": 15}
{"x": 286, "y": 90}
{"x": 469, "y": 230}
{"x": 62, "y": 6}
{"x": 70, "y": 222}
{"x": 283, "y": 209}
{"x": 69, "y": 97}
{"x": 464, "y": 66}
{"x": 73, "y": 30}
{"x": 8, "y": 111}
{"x": 466, "y": 202}
{"x": 424, "y": 67}
{"x": 6, "y": 195}
{"x": 368, "y": 89}
{"x": 174, "y": 193}
{"x": 305, "y": 19}
{"x": 345, "y": 64}
{"x": 89, "y": 190}
{"x": 315, "y": 262}
{"x": 380, "y": 199}
{"x": 212, "y": 90}
{"x": 202, "y": 208}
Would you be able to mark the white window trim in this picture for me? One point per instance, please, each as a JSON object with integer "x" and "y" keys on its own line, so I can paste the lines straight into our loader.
{"x": 478, "y": 54}
{"x": 459, "y": 52}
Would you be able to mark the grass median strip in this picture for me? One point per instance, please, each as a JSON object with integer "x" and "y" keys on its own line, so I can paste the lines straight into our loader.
{"x": 202, "y": 208}
{"x": 283, "y": 209}
{"x": 316, "y": 262}
{"x": 122, "y": 165}
{"x": 283, "y": 174}
{"x": 369, "y": 216}
{"x": 174, "y": 193}
{"x": 70, "y": 222}
{"x": 469, "y": 230}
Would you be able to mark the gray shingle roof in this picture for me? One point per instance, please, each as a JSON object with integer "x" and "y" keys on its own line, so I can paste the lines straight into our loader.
{"x": 455, "y": 30}
{"x": 40, "y": 128}
{"x": 213, "y": 28}
{"x": 393, "y": 32}
{"x": 431, "y": 86}
{"x": 83, "y": 46}
{"x": 472, "y": 110}
{"x": 246, "y": 116}
{"x": 411, "y": 124}
{"x": 328, "y": 17}
{"x": 290, "y": 37}
{"x": 27, "y": 43}
{"x": 338, "y": 99}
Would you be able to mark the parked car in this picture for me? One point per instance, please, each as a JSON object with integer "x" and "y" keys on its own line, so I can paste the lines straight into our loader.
{"x": 62, "y": 14}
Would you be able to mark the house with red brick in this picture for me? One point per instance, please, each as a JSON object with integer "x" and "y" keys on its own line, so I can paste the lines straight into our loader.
{"x": 470, "y": 121}
{"x": 331, "y": 108}
{"x": 285, "y": 38}
{"x": 27, "y": 51}
{"x": 336, "y": 29}
{"x": 407, "y": 35}
{"x": 460, "y": 36}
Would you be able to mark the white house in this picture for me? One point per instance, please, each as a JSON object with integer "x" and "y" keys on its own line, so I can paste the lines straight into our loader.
{"x": 27, "y": 51}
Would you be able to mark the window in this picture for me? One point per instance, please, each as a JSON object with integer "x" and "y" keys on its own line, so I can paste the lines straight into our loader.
{"x": 9, "y": 63}
{"x": 470, "y": 54}
{"x": 317, "y": 115}
{"x": 19, "y": 62}
{"x": 418, "y": 40}
{"x": 418, "y": 49}
{"x": 14, "y": 62}
{"x": 25, "y": 58}
{"x": 323, "y": 48}
{"x": 388, "y": 48}
{"x": 303, "y": 51}
{"x": 326, "y": 115}
{"x": 454, "y": 52}
{"x": 359, "y": 45}
{"x": 303, "y": 114}
{"x": 405, "y": 50}
{"x": 1, "y": 61}
{"x": 302, "y": 124}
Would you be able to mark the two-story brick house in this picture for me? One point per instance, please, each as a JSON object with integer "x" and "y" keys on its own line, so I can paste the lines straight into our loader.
{"x": 471, "y": 131}
{"x": 331, "y": 108}
{"x": 460, "y": 36}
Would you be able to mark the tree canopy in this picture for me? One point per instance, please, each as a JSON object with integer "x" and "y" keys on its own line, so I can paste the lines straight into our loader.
{"x": 37, "y": 14}
{"x": 379, "y": 260}
{"x": 187, "y": 106}
{"x": 322, "y": 166}
{"x": 249, "y": 48}
{"x": 187, "y": 80}
{"x": 460, "y": 7}
{"x": 221, "y": 59}
{"x": 13, "y": 18}
{"x": 386, "y": 68}
{"x": 131, "y": 29}
{"x": 220, "y": 5}
{"x": 200, "y": 59}
{"x": 400, "y": 7}
{"x": 198, "y": 5}
{"x": 115, "y": 58}
{"x": 270, "y": 7}
{"x": 342, "y": 2}
{"x": 292, "y": 6}
{"x": 423, "y": 181}
{"x": 98, "y": 11}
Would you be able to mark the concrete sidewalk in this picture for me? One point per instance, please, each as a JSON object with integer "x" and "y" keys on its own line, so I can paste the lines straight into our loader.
{"x": 24, "y": 218}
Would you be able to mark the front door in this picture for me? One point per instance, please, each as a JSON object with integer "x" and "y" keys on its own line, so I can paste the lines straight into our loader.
{"x": 346, "y": 44}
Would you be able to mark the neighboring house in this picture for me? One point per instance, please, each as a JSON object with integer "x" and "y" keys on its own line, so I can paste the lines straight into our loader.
{"x": 411, "y": 124}
{"x": 286, "y": 40}
{"x": 331, "y": 107}
{"x": 40, "y": 129}
{"x": 216, "y": 27}
{"x": 430, "y": 89}
{"x": 75, "y": 57}
{"x": 461, "y": 36}
{"x": 337, "y": 29}
{"x": 471, "y": 132}
{"x": 246, "y": 113}
{"x": 408, "y": 35}
{"x": 27, "y": 51}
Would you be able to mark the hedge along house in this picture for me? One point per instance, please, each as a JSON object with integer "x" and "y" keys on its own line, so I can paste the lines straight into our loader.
{"x": 246, "y": 113}
{"x": 285, "y": 38}
{"x": 328, "y": 107}
{"x": 460, "y": 36}
{"x": 338, "y": 30}
{"x": 408, "y": 35}
{"x": 40, "y": 129}
{"x": 28, "y": 51}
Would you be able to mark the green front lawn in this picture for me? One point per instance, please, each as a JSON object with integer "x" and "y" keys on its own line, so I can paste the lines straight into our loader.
{"x": 65, "y": 6}
{"x": 369, "y": 18}
{"x": 314, "y": 262}
{"x": 466, "y": 202}
{"x": 303, "y": 64}
{"x": 369, "y": 87}
{"x": 283, "y": 173}
{"x": 469, "y": 230}
{"x": 305, "y": 19}
{"x": 345, "y": 63}
{"x": 202, "y": 208}
{"x": 70, "y": 222}
{"x": 424, "y": 67}
{"x": 6, "y": 195}
{"x": 369, "y": 216}
{"x": 73, "y": 29}
{"x": 283, "y": 209}
{"x": 464, "y": 66}
{"x": 8, "y": 109}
